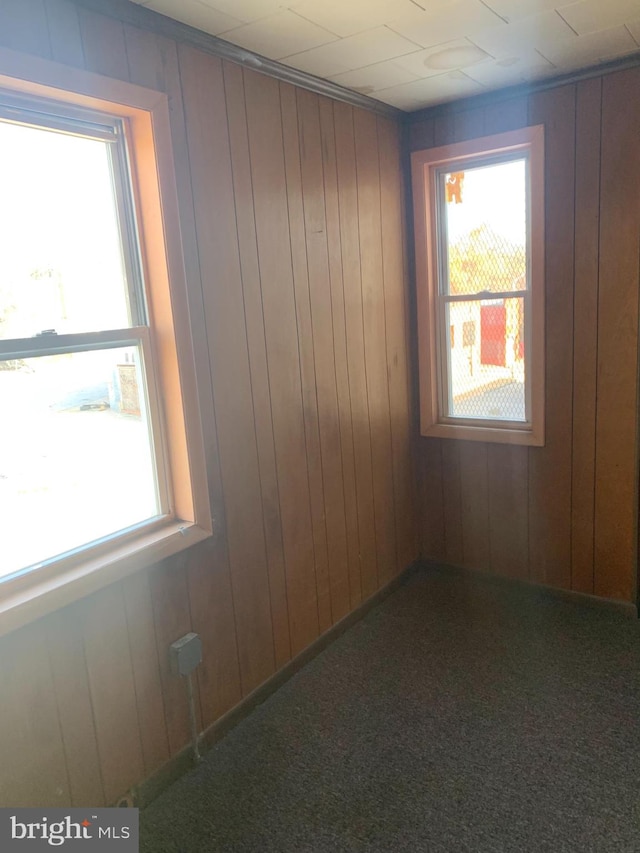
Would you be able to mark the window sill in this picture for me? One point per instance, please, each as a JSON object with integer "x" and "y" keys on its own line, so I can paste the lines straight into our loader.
{"x": 493, "y": 435}
{"x": 30, "y": 597}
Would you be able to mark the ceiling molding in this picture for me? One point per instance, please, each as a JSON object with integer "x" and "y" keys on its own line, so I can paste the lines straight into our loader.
{"x": 630, "y": 61}
{"x": 147, "y": 19}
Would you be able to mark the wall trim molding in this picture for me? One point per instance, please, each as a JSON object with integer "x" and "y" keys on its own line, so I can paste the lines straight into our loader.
{"x": 523, "y": 89}
{"x": 147, "y": 19}
{"x": 183, "y": 761}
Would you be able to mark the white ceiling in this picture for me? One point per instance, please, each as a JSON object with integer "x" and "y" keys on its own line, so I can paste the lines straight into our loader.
{"x": 415, "y": 53}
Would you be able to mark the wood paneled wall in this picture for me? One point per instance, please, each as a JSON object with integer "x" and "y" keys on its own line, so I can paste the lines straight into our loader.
{"x": 564, "y": 514}
{"x": 291, "y": 214}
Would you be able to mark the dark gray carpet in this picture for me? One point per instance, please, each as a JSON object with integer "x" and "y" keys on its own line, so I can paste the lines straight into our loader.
{"x": 458, "y": 716}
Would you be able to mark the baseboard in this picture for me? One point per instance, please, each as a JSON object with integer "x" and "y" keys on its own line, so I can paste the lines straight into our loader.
{"x": 626, "y": 608}
{"x": 182, "y": 762}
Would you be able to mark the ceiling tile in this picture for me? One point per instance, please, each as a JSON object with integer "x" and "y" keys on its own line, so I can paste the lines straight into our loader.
{"x": 445, "y": 21}
{"x": 432, "y": 90}
{"x": 520, "y": 69}
{"x": 538, "y": 31}
{"x": 592, "y": 48}
{"x": 244, "y": 10}
{"x": 382, "y": 75}
{"x": 391, "y": 48}
{"x": 280, "y": 35}
{"x": 515, "y": 10}
{"x": 589, "y": 16}
{"x": 353, "y": 52}
{"x": 348, "y": 17}
{"x": 417, "y": 62}
{"x": 196, "y": 14}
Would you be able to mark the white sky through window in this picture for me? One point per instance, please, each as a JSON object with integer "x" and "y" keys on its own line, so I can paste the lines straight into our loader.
{"x": 60, "y": 259}
{"x": 493, "y": 195}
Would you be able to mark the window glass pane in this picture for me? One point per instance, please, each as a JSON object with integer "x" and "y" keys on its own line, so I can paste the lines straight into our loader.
{"x": 61, "y": 264}
{"x": 484, "y": 227}
{"x": 486, "y": 357}
{"x": 76, "y": 457}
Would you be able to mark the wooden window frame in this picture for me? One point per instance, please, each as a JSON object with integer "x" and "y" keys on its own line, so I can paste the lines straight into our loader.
{"x": 425, "y": 166}
{"x": 145, "y": 115}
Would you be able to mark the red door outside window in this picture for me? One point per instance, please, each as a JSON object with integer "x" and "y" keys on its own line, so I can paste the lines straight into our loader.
{"x": 493, "y": 337}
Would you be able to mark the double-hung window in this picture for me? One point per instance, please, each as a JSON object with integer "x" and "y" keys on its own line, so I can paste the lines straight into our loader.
{"x": 101, "y": 459}
{"x": 479, "y": 262}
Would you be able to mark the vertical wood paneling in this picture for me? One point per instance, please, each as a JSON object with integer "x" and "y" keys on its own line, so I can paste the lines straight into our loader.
{"x": 421, "y": 135}
{"x": 75, "y": 712}
{"x": 334, "y": 247}
{"x": 452, "y": 503}
{"x": 112, "y": 688}
{"x": 292, "y": 237}
{"x": 64, "y": 32}
{"x": 469, "y": 124}
{"x": 301, "y": 283}
{"x": 585, "y": 332}
{"x": 550, "y": 467}
{"x": 616, "y": 424}
{"x": 210, "y": 158}
{"x": 33, "y": 769}
{"x": 89, "y": 704}
{"x": 212, "y": 617}
{"x": 274, "y": 253}
{"x": 24, "y": 26}
{"x": 352, "y": 272}
{"x": 172, "y": 620}
{"x": 104, "y": 47}
{"x": 375, "y": 343}
{"x": 397, "y": 324}
{"x": 506, "y": 115}
{"x": 444, "y": 129}
{"x": 154, "y": 62}
{"x": 315, "y": 223}
{"x": 474, "y": 504}
{"x": 564, "y": 514}
{"x": 146, "y": 671}
{"x": 431, "y": 491}
{"x": 144, "y": 58}
{"x": 241, "y": 166}
{"x": 508, "y": 475}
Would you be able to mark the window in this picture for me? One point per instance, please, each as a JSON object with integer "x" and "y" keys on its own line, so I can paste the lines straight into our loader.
{"x": 479, "y": 263}
{"x": 101, "y": 456}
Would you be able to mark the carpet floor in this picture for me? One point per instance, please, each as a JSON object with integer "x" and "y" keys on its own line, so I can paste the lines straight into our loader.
{"x": 459, "y": 715}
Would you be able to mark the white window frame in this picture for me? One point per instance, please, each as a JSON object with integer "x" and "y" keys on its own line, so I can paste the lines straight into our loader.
{"x": 434, "y": 372}
{"x": 161, "y": 331}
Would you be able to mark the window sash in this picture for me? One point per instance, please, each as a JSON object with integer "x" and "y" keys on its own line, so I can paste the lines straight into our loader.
{"x": 443, "y": 296}
{"x": 439, "y": 202}
{"x": 54, "y": 344}
{"x": 445, "y": 369}
{"x": 77, "y": 121}
{"x": 58, "y": 117}
{"x": 139, "y": 336}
